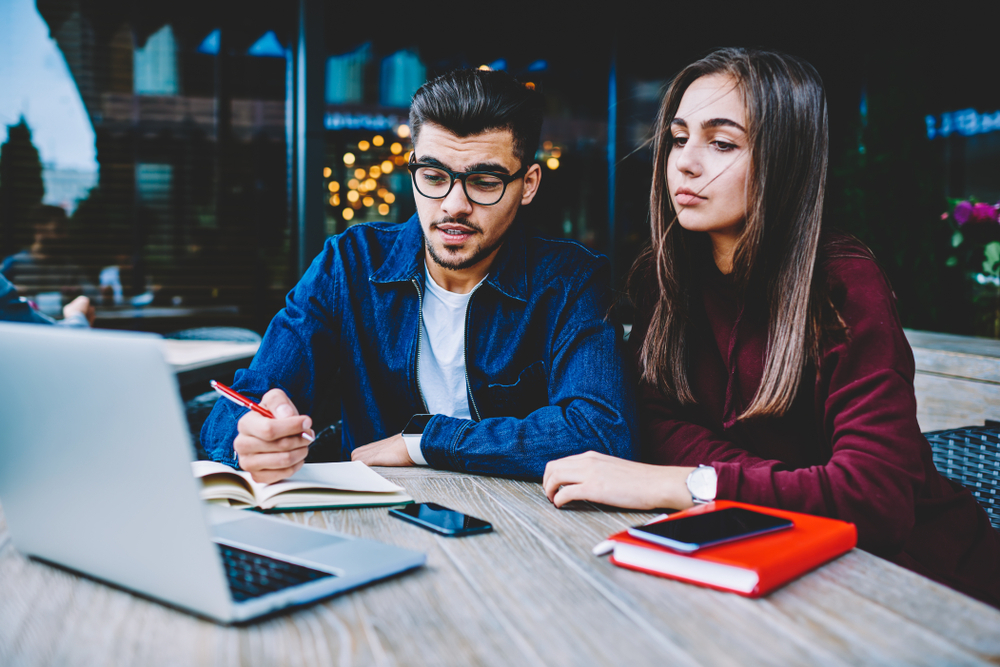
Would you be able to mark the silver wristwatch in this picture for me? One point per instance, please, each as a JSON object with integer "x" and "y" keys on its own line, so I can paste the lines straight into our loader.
{"x": 702, "y": 483}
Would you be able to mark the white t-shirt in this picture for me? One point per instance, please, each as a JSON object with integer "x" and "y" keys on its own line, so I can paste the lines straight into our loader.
{"x": 441, "y": 355}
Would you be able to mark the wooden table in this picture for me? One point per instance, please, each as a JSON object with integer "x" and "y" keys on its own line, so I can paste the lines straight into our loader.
{"x": 957, "y": 381}
{"x": 529, "y": 593}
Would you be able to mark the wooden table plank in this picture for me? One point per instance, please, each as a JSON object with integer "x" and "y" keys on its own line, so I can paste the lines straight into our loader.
{"x": 529, "y": 593}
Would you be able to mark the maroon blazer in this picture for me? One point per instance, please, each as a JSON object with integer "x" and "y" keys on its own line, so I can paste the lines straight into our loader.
{"x": 849, "y": 448}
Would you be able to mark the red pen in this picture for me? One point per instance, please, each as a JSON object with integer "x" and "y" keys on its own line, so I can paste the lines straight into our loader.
{"x": 243, "y": 401}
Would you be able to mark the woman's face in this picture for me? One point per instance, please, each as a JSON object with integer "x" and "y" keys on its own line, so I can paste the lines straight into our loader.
{"x": 709, "y": 160}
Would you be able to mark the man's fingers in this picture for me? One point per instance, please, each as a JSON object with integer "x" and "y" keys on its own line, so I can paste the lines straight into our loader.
{"x": 279, "y": 404}
{"x": 269, "y": 476}
{"x": 262, "y": 428}
{"x": 274, "y": 460}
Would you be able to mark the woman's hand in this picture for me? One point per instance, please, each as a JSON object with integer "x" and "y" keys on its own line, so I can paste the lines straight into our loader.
{"x": 612, "y": 481}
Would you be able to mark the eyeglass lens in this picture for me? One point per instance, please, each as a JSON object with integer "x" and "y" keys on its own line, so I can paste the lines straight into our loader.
{"x": 481, "y": 189}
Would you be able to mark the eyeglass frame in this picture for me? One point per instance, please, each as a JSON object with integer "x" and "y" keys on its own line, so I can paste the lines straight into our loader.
{"x": 506, "y": 179}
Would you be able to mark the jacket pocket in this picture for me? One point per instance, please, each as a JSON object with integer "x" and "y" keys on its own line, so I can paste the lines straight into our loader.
{"x": 527, "y": 394}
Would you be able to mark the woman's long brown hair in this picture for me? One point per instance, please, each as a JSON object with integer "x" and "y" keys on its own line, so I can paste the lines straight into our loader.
{"x": 775, "y": 254}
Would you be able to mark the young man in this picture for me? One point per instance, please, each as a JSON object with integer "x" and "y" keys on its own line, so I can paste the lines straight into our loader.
{"x": 458, "y": 313}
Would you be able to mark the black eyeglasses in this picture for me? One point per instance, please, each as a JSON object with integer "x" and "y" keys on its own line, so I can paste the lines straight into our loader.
{"x": 485, "y": 188}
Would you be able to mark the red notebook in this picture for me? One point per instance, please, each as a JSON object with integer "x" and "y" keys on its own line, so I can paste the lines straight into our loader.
{"x": 753, "y": 566}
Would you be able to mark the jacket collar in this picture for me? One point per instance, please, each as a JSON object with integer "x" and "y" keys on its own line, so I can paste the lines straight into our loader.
{"x": 508, "y": 275}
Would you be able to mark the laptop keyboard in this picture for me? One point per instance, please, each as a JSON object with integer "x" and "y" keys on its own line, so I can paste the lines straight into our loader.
{"x": 252, "y": 575}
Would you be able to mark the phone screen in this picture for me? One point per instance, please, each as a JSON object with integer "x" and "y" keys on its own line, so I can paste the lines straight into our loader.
{"x": 693, "y": 532}
{"x": 441, "y": 520}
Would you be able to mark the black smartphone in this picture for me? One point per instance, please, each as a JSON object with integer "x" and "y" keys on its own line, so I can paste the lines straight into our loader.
{"x": 697, "y": 531}
{"x": 441, "y": 520}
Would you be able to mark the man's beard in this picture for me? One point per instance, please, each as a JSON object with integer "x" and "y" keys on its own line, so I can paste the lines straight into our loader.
{"x": 458, "y": 264}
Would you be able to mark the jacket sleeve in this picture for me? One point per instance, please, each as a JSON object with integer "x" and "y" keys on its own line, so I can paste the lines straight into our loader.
{"x": 868, "y": 409}
{"x": 591, "y": 400}
{"x": 15, "y": 309}
{"x": 302, "y": 338}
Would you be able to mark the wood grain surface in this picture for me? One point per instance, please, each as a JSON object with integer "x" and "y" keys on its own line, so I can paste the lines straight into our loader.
{"x": 957, "y": 381}
{"x": 529, "y": 593}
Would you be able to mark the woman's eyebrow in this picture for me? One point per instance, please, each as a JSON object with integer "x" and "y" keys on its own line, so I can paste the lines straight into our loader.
{"x": 722, "y": 122}
{"x": 712, "y": 122}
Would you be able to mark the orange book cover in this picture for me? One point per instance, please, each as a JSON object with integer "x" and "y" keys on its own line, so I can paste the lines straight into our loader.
{"x": 753, "y": 566}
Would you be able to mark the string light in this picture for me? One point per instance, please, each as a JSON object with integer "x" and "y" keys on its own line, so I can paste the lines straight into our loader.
{"x": 348, "y": 213}
{"x": 377, "y": 140}
{"x": 327, "y": 172}
{"x": 349, "y": 159}
{"x": 375, "y": 172}
{"x": 396, "y": 148}
{"x": 383, "y": 209}
{"x": 403, "y": 131}
{"x": 335, "y": 200}
{"x": 352, "y": 184}
{"x": 367, "y": 201}
{"x": 353, "y": 196}
{"x": 387, "y": 167}
{"x": 552, "y": 163}
{"x": 360, "y": 173}
{"x": 363, "y": 145}
{"x": 389, "y": 198}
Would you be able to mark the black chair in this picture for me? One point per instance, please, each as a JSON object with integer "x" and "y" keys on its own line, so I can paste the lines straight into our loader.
{"x": 971, "y": 456}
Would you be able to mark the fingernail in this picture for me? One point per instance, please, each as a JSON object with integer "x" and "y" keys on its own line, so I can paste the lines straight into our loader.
{"x": 307, "y": 423}
{"x": 284, "y": 410}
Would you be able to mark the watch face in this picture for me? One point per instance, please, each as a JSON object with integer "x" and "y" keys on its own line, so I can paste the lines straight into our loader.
{"x": 701, "y": 483}
{"x": 416, "y": 425}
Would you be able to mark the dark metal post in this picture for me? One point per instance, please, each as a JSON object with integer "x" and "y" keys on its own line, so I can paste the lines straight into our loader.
{"x": 308, "y": 137}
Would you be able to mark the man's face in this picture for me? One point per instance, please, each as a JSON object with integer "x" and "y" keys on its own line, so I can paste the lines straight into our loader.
{"x": 460, "y": 234}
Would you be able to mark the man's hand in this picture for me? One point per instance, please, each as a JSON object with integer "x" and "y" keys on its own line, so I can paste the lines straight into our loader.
{"x": 612, "y": 481}
{"x": 388, "y": 452}
{"x": 272, "y": 449}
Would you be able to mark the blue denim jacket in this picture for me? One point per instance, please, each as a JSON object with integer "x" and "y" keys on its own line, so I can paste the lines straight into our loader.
{"x": 547, "y": 374}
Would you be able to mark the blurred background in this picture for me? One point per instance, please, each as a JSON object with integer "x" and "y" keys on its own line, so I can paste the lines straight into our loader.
{"x": 181, "y": 163}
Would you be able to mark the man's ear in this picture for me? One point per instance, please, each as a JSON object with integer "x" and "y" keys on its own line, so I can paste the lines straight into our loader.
{"x": 532, "y": 179}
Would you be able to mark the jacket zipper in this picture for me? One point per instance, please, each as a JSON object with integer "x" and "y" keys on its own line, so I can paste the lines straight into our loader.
{"x": 420, "y": 337}
{"x": 465, "y": 352}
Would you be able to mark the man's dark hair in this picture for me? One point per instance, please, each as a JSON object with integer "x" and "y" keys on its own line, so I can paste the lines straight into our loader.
{"x": 467, "y": 102}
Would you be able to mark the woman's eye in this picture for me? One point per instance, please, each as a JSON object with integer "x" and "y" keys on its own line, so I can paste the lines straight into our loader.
{"x": 723, "y": 146}
{"x": 679, "y": 141}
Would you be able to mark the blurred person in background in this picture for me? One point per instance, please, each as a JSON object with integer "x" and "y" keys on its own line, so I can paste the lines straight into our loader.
{"x": 46, "y": 270}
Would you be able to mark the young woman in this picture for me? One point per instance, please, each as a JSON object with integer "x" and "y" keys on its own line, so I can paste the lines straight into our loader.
{"x": 773, "y": 365}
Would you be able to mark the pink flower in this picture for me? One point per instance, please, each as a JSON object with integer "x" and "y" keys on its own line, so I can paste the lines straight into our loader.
{"x": 963, "y": 211}
{"x": 984, "y": 213}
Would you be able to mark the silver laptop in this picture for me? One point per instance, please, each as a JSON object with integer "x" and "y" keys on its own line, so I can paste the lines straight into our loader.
{"x": 95, "y": 476}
